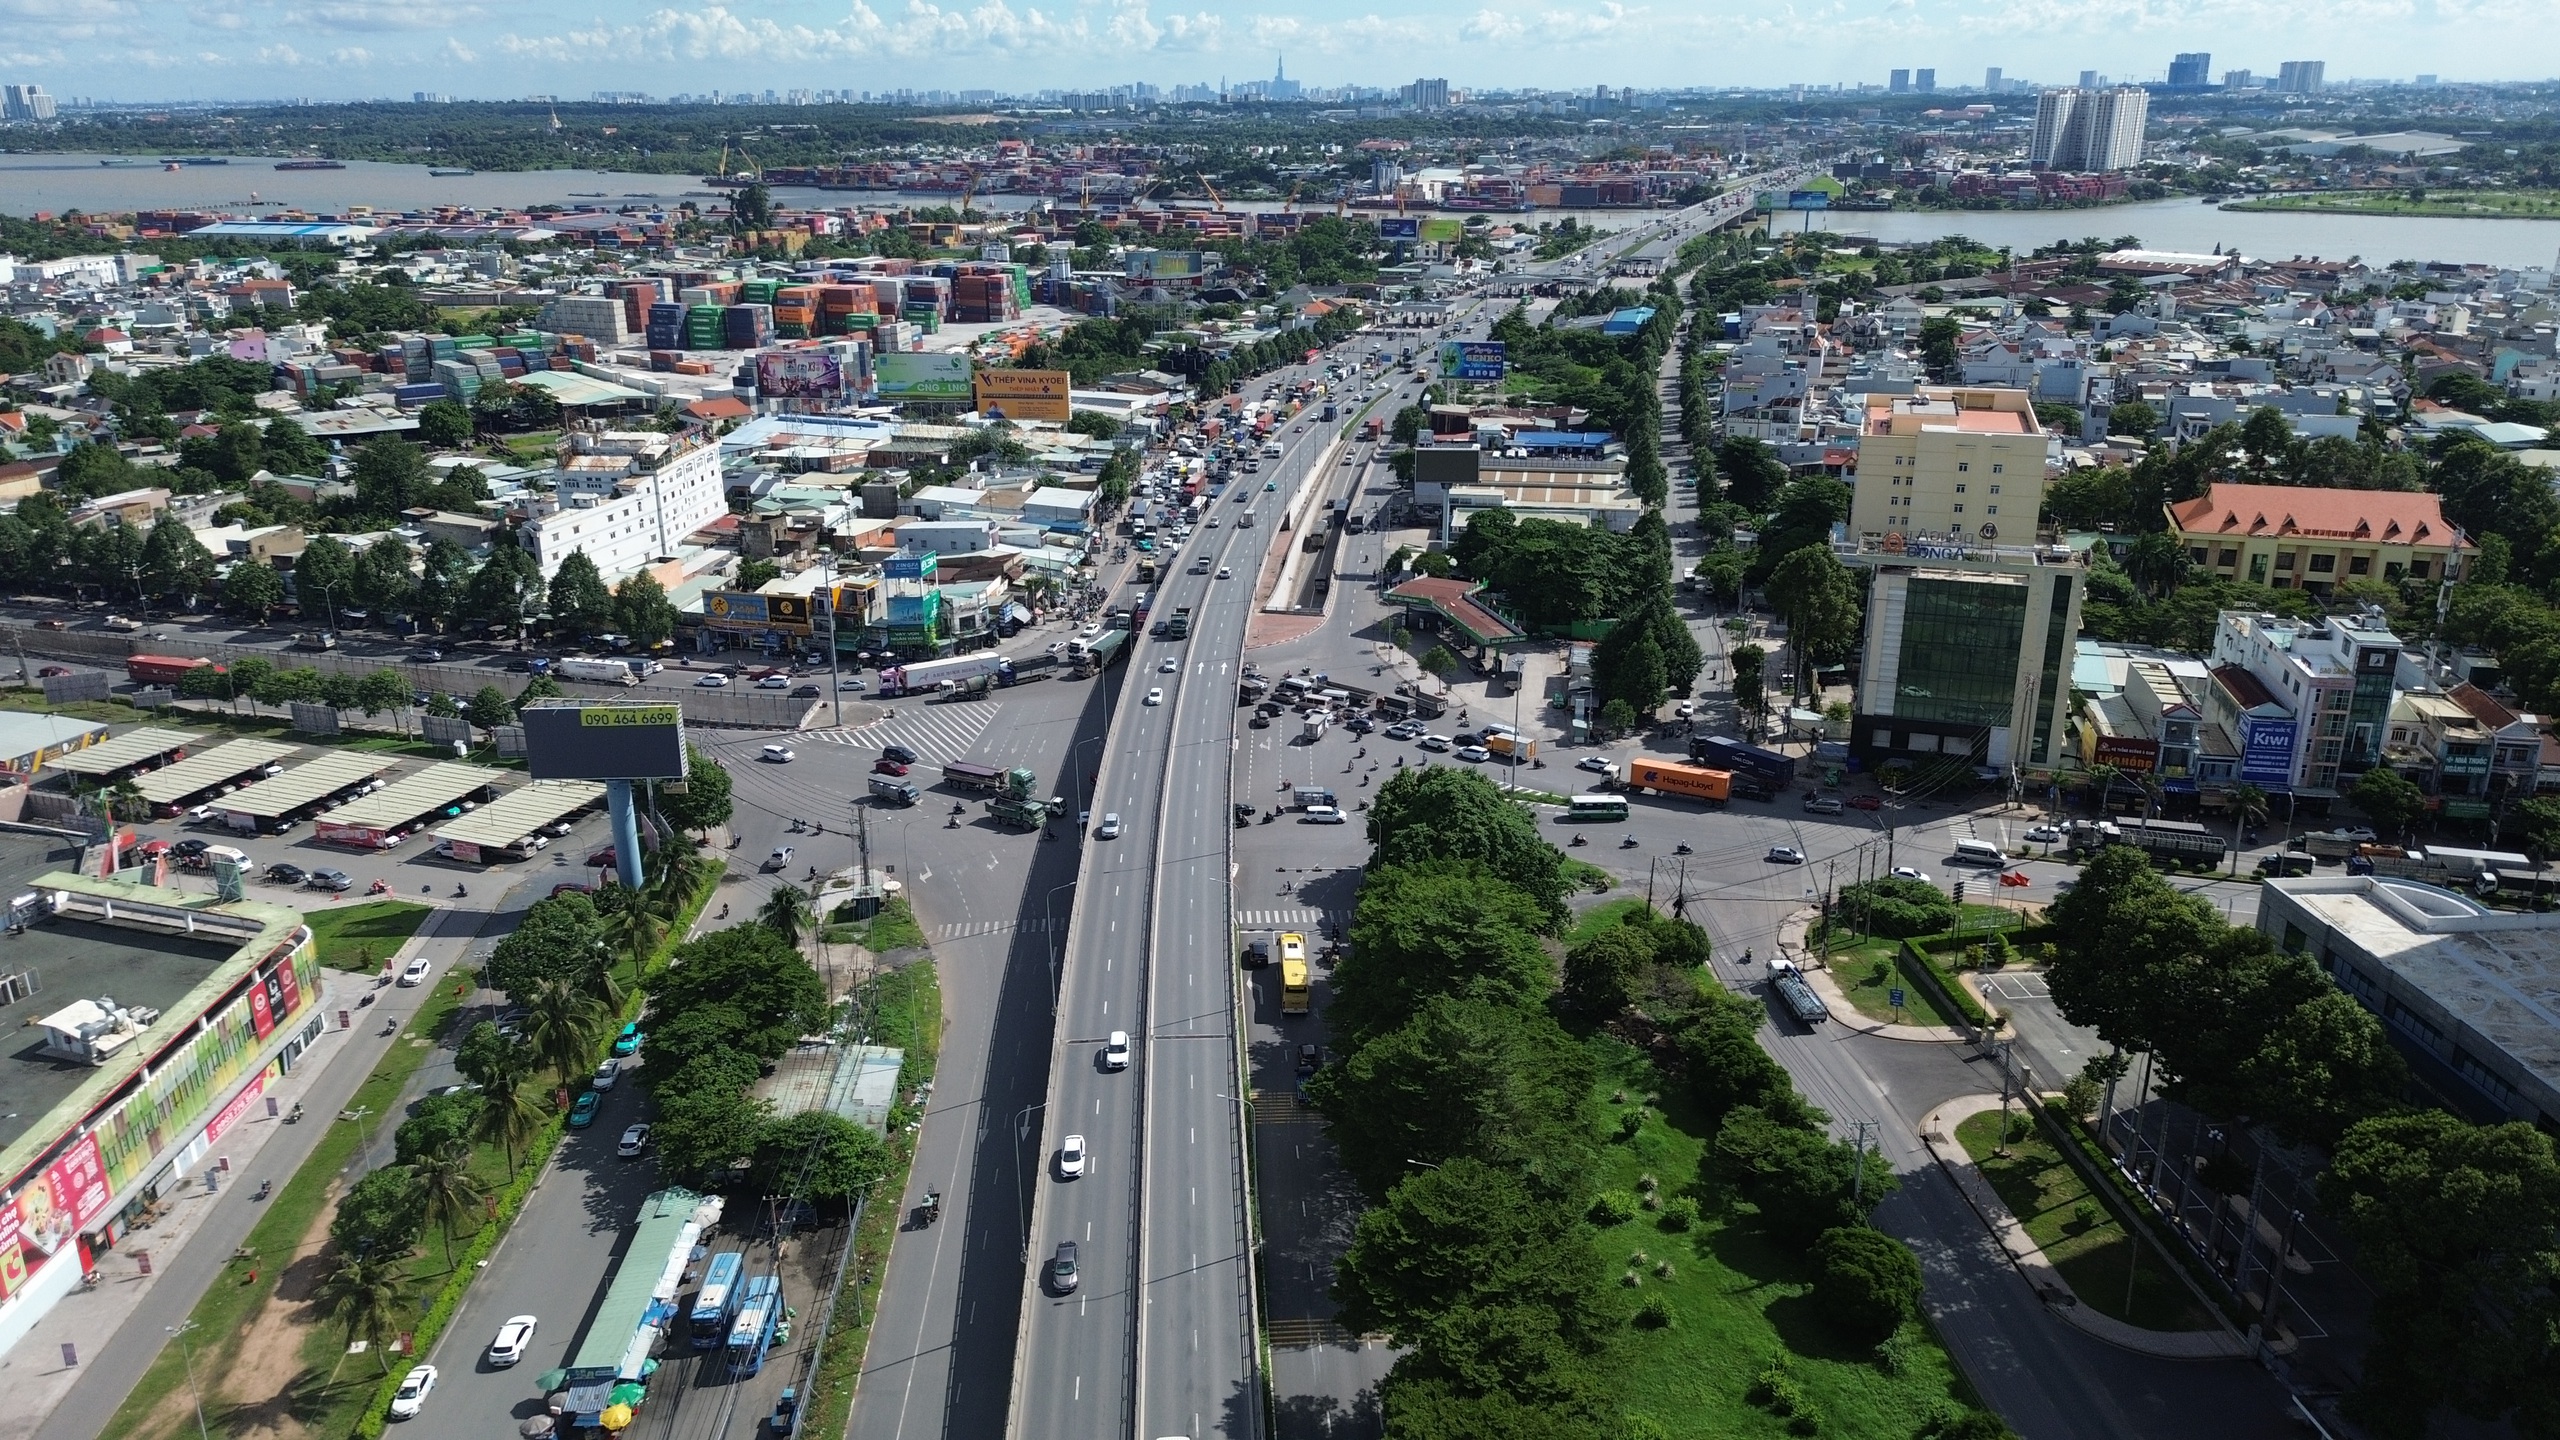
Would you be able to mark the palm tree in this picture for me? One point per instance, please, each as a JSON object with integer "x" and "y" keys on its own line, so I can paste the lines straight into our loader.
{"x": 511, "y": 1109}
{"x": 452, "y": 1192}
{"x": 2248, "y": 807}
{"x": 564, "y": 1028}
{"x": 363, "y": 1294}
{"x": 787, "y": 912}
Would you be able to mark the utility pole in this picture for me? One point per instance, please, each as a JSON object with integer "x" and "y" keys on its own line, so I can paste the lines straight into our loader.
{"x": 1858, "y": 1169}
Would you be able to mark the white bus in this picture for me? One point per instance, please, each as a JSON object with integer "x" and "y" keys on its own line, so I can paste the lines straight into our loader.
{"x": 1597, "y": 807}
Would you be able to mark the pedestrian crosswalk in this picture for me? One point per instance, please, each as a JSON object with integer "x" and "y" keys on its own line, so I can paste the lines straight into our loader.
{"x": 939, "y": 734}
{"x": 1299, "y": 918}
{"x": 967, "y": 929}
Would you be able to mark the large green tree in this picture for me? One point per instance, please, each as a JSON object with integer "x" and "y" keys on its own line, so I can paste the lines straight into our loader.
{"x": 1465, "y": 1076}
{"x": 580, "y": 603}
{"x": 1440, "y": 927}
{"x": 752, "y": 969}
{"x": 1819, "y": 596}
{"x": 1442, "y": 813}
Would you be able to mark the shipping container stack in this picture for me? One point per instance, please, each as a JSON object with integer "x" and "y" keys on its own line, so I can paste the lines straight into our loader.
{"x": 747, "y": 327}
{"x": 702, "y": 327}
{"x": 666, "y": 326}
{"x": 844, "y": 309}
{"x": 795, "y": 312}
{"x": 639, "y": 299}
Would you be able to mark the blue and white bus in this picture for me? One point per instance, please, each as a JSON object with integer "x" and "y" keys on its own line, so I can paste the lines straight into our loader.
{"x": 751, "y": 1334}
{"x": 716, "y": 1303}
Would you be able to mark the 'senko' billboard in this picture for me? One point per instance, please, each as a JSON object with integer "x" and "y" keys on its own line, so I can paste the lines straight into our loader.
{"x": 1472, "y": 359}
{"x": 799, "y": 375}
{"x": 1023, "y": 395}
{"x": 922, "y": 375}
{"x": 2266, "y": 751}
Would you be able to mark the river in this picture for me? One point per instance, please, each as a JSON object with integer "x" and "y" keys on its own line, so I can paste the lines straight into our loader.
{"x": 56, "y": 183}
{"x": 248, "y": 185}
{"x": 2196, "y": 225}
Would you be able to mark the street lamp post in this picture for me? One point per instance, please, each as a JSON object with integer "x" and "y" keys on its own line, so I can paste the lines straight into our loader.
{"x": 1021, "y": 1194}
{"x": 1049, "y": 927}
{"x": 188, "y": 1351}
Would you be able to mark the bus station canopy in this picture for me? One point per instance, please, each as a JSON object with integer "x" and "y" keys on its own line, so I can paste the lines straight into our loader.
{"x": 304, "y": 785}
{"x": 208, "y": 768}
{"x": 124, "y": 751}
{"x": 519, "y": 812}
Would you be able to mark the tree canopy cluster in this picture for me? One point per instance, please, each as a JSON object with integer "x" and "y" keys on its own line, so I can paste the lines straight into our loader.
{"x": 1466, "y": 1106}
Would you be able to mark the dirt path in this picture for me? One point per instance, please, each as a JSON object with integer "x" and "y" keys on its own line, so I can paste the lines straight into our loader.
{"x": 264, "y": 1383}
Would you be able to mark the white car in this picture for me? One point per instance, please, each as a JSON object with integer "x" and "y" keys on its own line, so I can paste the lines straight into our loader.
{"x": 634, "y": 1140}
{"x": 510, "y": 1345}
{"x": 606, "y": 1074}
{"x": 850, "y": 686}
{"x": 1110, "y": 828}
{"x": 1324, "y": 815}
{"x": 416, "y": 973}
{"x": 1433, "y": 742}
{"x": 1115, "y": 1051}
{"x": 1213, "y": 522}
{"x": 1224, "y": 573}
{"x": 1156, "y": 696}
{"x": 1595, "y": 765}
{"x": 1170, "y": 665}
{"x": 1784, "y": 855}
{"x": 712, "y": 682}
{"x": 1910, "y": 872}
{"x": 412, "y": 1395}
{"x": 1474, "y": 754}
{"x": 1071, "y": 1158}
{"x": 2045, "y": 835}
{"x": 774, "y": 682}
{"x": 778, "y": 755}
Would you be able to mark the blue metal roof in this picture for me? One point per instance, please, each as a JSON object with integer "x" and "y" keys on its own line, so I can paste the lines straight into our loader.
{"x": 1561, "y": 439}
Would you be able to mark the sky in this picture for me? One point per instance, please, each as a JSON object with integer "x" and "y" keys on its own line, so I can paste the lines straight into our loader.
{"x": 501, "y": 49}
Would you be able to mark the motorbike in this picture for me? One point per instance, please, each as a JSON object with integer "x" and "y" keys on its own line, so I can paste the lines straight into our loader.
{"x": 1364, "y": 777}
{"x": 1680, "y": 849}
{"x": 265, "y": 1189}
{"x": 364, "y": 999}
{"x": 459, "y": 892}
{"x": 390, "y": 1024}
{"x": 1578, "y": 842}
{"x": 724, "y": 912}
{"x": 1627, "y": 844}
{"x": 799, "y": 827}
{"x": 377, "y": 888}
{"x": 932, "y": 1206}
{"x": 294, "y": 1115}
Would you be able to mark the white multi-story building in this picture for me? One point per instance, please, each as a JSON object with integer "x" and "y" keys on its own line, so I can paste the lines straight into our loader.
{"x": 25, "y": 102}
{"x": 627, "y": 499}
{"x": 2087, "y": 129}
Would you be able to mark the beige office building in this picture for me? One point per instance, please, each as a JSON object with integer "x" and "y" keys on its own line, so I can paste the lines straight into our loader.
{"x": 1949, "y": 462}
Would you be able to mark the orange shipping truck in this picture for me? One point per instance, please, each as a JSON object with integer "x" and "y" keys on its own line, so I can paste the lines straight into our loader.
{"x": 1670, "y": 778}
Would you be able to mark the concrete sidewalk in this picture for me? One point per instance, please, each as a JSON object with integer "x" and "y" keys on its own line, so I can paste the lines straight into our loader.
{"x": 1938, "y": 1132}
{"x": 1791, "y": 944}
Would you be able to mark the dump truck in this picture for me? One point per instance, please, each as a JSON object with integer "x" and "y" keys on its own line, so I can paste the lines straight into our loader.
{"x": 1180, "y": 625}
{"x": 895, "y": 791}
{"x": 1668, "y": 777}
{"x": 970, "y": 775}
{"x": 1021, "y": 802}
{"x": 1795, "y": 994}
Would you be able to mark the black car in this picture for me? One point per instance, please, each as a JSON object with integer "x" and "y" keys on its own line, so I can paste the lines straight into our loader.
{"x": 188, "y": 851}
{"x": 1260, "y": 721}
{"x": 805, "y": 692}
{"x": 287, "y": 874}
{"x": 1063, "y": 1274}
{"x": 1359, "y": 724}
{"x": 899, "y": 753}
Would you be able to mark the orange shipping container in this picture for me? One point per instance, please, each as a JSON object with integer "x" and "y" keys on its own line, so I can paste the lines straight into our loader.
{"x": 1665, "y": 777}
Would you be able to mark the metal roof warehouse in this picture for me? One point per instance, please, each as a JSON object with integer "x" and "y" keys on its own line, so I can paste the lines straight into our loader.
{"x": 303, "y": 785}
{"x": 519, "y": 813}
{"x": 369, "y": 819}
{"x": 133, "y": 747}
{"x": 207, "y": 768}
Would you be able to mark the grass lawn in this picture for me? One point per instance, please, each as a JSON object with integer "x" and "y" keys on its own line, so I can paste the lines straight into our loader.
{"x": 360, "y": 937}
{"x": 233, "y": 1307}
{"x": 1600, "y": 917}
{"x": 1739, "y": 1301}
{"x": 2047, "y": 1196}
{"x": 2470, "y": 204}
{"x": 1867, "y": 976}
{"x": 903, "y": 1008}
{"x": 894, "y": 928}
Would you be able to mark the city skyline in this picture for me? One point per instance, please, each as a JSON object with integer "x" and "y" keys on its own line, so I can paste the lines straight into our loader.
{"x": 145, "y": 50}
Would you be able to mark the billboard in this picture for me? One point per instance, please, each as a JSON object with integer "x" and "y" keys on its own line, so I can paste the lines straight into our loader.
{"x": 1808, "y": 199}
{"x": 605, "y": 740}
{"x": 2266, "y": 751}
{"x": 922, "y": 375}
{"x": 1472, "y": 359}
{"x": 1023, "y": 394}
{"x": 1163, "y": 265}
{"x": 45, "y": 1219}
{"x": 1399, "y": 227}
{"x": 908, "y": 567}
{"x": 2133, "y": 754}
{"x": 1444, "y": 229}
{"x": 799, "y": 374}
{"x": 741, "y": 607}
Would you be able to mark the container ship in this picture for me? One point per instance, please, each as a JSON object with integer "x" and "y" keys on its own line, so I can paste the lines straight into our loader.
{"x": 311, "y": 165}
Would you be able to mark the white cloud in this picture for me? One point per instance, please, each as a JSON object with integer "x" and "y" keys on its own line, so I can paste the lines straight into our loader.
{"x": 351, "y": 55}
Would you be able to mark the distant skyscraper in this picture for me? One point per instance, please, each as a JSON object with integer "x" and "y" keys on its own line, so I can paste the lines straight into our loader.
{"x": 2080, "y": 129}
{"x": 2239, "y": 80}
{"x": 1899, "y": 83}
{"x": 2426, "y": 80}
{"x": 1427, "y": 94}
{"x": 2302, "y": 77}
{"x": 2194, "y": 67}
{"x": 2090, "y": 80}
{"x": 1991, "y": 79}
{"x": 25, "y": 102}
{"x": 1282, "y": 87}
{"x": 1925, "y": 81}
